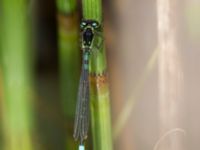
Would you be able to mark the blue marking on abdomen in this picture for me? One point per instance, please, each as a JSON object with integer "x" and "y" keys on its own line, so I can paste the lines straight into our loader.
{"x": 86, "y": 66}
{"x": 86, "y": 56}
{"x": 86, "y": 61}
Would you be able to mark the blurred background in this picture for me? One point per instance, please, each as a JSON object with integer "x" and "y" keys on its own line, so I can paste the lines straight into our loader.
{"x": 153, "y": 57}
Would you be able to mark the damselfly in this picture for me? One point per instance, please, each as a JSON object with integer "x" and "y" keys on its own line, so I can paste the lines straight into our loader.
{"x": 91, "y": 43}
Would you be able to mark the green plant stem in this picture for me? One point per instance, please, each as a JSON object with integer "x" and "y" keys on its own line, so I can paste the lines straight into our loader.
{"x": 17, "y": 79}
{"x": 92, "y": 9}
{"x": 69, "y": 61}
{"x": 66, "y": 6}
{"x": 99, "y": 91}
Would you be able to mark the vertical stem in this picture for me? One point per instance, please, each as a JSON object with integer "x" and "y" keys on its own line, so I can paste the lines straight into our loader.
{"x": 170, "y": 73}
{"x": 69, "y": 61}
{"x": 99, "y": 91}
{"x": 17, "y": 79}
{"x": 92, "y": 9}
{"x": 67, "y": 7}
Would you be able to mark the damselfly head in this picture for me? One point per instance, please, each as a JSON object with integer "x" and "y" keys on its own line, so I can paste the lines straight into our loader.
{"x": 88, "y": 28}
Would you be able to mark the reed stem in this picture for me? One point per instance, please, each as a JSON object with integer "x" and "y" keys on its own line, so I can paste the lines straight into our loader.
{"x": 69, "y": 61}
{"x": 99, "y": 91}
{"x": 17, "y": 76}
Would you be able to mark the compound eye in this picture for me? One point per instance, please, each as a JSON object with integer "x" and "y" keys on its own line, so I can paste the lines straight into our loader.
{"x": 83, "y": 25}
{"x": 95, "y": 24}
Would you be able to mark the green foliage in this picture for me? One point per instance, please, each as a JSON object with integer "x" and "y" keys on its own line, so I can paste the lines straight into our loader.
{"x": 17, "y": 79}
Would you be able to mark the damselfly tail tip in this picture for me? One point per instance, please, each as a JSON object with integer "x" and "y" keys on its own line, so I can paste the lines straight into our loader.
{"x": 81, "y": 147}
